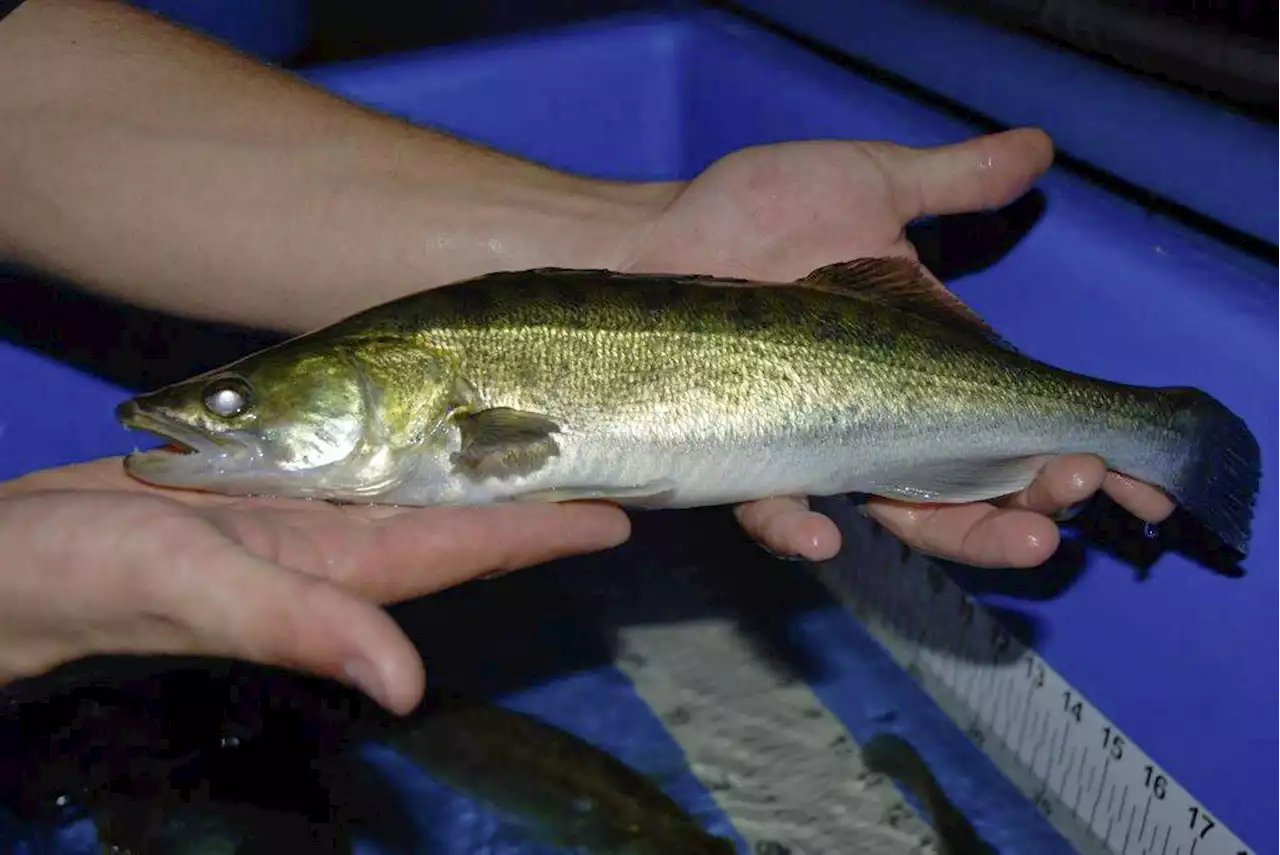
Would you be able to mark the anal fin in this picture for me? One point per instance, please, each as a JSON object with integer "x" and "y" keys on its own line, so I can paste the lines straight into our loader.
{"x": 956, "y": 482}
{"x": 640, "y": 496}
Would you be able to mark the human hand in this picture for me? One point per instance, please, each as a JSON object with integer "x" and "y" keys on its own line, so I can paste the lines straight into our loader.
{"x": 96, "y": 562}
{"x": 777, "y": 212}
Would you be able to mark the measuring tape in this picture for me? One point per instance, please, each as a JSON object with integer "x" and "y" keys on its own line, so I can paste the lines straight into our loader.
{"x": 1101, "y": 791}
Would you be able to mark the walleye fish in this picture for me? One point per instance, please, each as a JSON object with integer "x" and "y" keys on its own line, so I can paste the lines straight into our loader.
{"x": 891, "y": 755}
{"x": 677, "y": 391}
{"x": 558, "y": 788}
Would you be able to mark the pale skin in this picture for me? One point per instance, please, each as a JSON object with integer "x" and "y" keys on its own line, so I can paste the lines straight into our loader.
{"x": 146, "y": 163}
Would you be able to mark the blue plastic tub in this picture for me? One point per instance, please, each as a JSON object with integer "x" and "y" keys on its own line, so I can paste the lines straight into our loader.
{"x": 1098, "y": 285}
{"x": 1216, "y": 162}
{"x": 272, "y": 30}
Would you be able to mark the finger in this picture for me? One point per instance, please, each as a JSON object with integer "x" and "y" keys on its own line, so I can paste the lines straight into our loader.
{"x": 241, "y": 607}
{"x": 788, "y": 528}
{"x": 1142, "y": 500}
{"x": 103, "y": 474}
{"x": 973, "y": 175}
{"x": 393, "y": 554}
{"x": 1064, "y": 481}
{"x": 978, "y": 534}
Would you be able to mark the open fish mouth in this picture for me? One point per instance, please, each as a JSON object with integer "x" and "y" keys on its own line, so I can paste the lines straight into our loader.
{"x": 187, "y": 457}
{"x": 180, "y": 440}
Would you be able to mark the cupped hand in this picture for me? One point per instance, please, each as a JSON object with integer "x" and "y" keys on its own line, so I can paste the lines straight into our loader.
{"x": 95, "y": 562}
{"x": 777, "y": 212}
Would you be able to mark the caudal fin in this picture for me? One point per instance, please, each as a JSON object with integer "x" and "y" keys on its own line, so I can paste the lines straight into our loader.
{"x": 1219, "y": 478}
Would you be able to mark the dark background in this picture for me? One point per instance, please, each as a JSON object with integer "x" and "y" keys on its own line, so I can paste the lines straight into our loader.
{"x": 1221, "y": 49}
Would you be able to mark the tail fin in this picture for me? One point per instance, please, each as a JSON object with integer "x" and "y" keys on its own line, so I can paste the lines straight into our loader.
{"x": 1221, "y": 473}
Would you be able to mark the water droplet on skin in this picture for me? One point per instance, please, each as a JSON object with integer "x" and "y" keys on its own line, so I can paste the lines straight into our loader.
{"x": 1150, "y": 531}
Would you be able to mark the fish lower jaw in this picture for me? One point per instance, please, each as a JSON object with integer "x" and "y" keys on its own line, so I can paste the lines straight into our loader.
{"x": 165, "y": 467}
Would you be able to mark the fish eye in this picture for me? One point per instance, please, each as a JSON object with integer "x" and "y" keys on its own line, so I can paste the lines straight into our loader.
{"x": 227, "y": 397}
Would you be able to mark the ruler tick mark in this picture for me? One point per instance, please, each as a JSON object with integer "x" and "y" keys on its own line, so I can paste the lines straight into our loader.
{"x": 1111, "y": 823}
{"x": 1101, "y": 786}
{"x": 1071, "y": 759}
{"x": 1145, "y": 813}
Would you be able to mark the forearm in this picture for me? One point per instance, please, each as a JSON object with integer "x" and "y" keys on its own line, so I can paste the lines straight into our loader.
{"x": 142, "y": 161}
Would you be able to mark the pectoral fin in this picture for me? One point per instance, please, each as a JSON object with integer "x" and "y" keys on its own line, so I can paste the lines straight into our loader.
{"x": 961, "y": 481}
{"x": 502, "y": 442}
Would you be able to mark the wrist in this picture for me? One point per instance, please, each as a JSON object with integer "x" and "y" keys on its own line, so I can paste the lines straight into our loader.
{"x": 478, "y": 211}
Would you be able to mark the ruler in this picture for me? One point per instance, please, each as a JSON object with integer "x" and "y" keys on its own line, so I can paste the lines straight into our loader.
{"x": 1101, "y": 791}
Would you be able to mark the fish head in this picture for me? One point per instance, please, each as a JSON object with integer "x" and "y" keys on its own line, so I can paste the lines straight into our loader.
{"x": 294, "y": 420}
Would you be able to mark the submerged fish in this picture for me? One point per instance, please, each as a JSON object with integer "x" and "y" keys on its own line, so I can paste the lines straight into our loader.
{"x": 890, "y": 755}
{"x": 677, "y": 391}
{"x": 560, "y": 789}
{"x": 166, "y": 824}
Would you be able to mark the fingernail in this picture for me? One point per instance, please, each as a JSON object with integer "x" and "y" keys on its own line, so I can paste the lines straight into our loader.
{"x": 366, "y": 678}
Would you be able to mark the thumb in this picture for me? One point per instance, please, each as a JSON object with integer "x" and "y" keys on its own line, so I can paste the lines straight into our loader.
{"x": 973, "y": 175}
{"x": 256, "y": 611}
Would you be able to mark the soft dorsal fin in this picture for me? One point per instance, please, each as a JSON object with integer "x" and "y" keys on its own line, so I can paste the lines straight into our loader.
{"x": 902, "y": 282}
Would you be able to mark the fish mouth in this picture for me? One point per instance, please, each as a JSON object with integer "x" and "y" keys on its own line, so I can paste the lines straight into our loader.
{"x": 186, "y": 454}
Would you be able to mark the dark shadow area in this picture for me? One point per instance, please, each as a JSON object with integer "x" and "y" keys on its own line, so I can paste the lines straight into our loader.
{"x": 126, "y": 345}
{"x": 1046, "y": 582}
{"x": 960, "y": 244}
{"x": 344, "y": 31}
{"x": 698, "y": 563}
{"x": 890, "y": 590}
{"x": 212, "y": 753}
{"x": 1016, "y": 624}
{"x": 492, "y": 637}
{"x": 496, "y": 636}
{"x": 1105, "y": 525}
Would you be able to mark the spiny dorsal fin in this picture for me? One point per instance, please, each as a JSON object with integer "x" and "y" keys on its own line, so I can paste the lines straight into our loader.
{"x": 902, "y": 282}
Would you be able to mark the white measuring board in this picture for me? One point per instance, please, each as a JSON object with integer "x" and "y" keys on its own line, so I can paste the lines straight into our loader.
{"x": 1100, "y": 790}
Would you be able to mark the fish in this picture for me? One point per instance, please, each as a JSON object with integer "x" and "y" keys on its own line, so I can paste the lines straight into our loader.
{"x": 167, "y": 760}
{"x": 166, "y": 824}
{"x": 260, "y": 760}
{"x": 558, "y": 788}
{"x": 677, "y": 391}
{"x": 891, "y": 755}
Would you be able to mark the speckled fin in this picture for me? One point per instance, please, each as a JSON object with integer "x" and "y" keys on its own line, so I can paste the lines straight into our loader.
{"x": 504, "y": 442}
{"x": 961, "y": 480}
{"x": 902, "y": 282}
